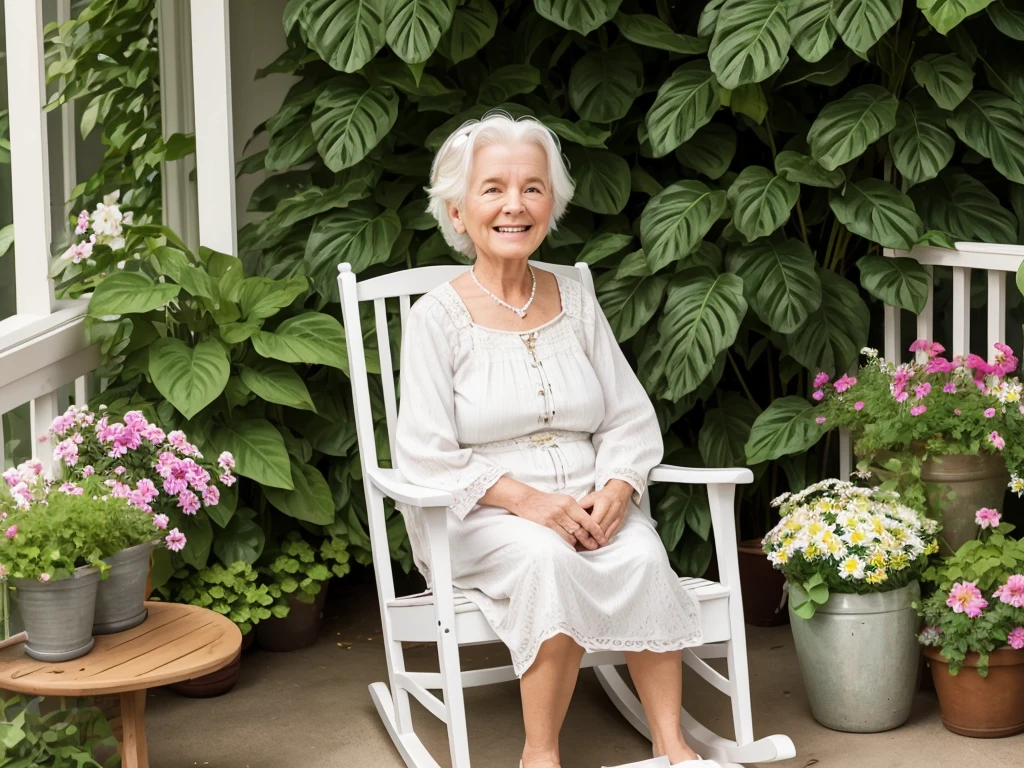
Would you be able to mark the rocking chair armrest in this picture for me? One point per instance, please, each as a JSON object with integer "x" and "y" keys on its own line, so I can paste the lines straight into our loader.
{"x": 392, "y": 485}
{"x": 666, "y": 473}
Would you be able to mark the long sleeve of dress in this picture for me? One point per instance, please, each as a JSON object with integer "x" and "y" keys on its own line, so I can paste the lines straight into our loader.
{"x": 628, "y": 443}
{"x": 428, "y": 452}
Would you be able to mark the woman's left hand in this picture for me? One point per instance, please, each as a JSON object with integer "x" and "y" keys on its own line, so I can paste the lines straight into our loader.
{"x": 608, "y": 506}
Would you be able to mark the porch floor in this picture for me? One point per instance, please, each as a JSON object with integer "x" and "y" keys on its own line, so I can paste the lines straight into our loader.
{"x": 311, "y": 709}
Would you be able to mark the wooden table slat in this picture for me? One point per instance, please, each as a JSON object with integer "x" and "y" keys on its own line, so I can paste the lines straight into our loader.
{"x": 140, "y": 667}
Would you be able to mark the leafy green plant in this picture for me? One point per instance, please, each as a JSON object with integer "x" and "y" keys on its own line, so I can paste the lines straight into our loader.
{"x": 234, "y": 591}
{"x": 301, "y": 569}
{"x": 78, "y": 736}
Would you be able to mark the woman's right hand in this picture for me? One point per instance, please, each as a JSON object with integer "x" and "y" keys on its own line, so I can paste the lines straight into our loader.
{"x": 563, "y": 515}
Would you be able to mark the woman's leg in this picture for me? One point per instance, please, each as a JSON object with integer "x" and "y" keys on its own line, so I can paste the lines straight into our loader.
{"x": 658, "y": 678}
{"x": 546, "y": 688}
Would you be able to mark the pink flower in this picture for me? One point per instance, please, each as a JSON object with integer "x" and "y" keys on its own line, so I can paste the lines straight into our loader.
{"x": 950, "y": 388}
{"x": 844, "y": 383}
{"x": 11, "y": 532}
{"x": 997, "y": 442}
{"x": 987, "y": 518}
{"x": 63, "y": 423}
{"x": 121, "y": 490}
{"x": 66, "y": 451}
{"x": 821, "y": 379}
{"x": 990, "y": 412}
{"x": 932, "y": 348}
{"x": 818, "y": 395}
{"x": 939, "y": 365}
{"x": 154, "y": 434}
{"x": 135, "y": 420}
{"x": 188, "y": 502}
{"x": 72, "y": 489}
{"x": 1016, "y": 638}
{"x": 88, "y": 471}
{"x": 902, "y": 397}
{"x": 956, "y": 411}
{"x": 177, "y": 439}
{"x": 44, "y": 577}
{"x": 1005, "y": 360}
{"x": 146, "y": 490}
{"x": 228, "y": 479}
{"x": 226, "y": 461}
{"x": 917, "y": 410}
{"x": 3, "y": 571}
{"x": 965, "y": 597}
{"x": 1012, "y": 592}
{"x": 160, "y": 521}
{"x": 175, "y": 540}
{"x": 82, "y": 225}
{"x": 211, "y": 496}
{"x": 859, "y": 405}
{"x": 921, "y": 391}
{"x": 175, "y": 485}
{"x": 820, "y": 419}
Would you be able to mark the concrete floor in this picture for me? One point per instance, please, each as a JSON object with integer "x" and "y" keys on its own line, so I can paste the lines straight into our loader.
{"x": 311, "y": 709}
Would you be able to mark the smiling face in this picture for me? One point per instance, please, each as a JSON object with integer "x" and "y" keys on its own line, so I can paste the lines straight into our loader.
{"x": 508, "y": 204}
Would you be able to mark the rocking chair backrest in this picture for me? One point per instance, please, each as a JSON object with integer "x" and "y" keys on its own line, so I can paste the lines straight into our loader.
{"x": 403, "y": 286}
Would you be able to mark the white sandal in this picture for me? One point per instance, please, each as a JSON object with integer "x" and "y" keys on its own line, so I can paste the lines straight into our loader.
{"x": 698, "y": 763}
{"x": 654, "y": 762}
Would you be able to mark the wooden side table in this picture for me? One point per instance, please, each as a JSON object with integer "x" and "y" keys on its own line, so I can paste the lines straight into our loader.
{"x": 175, "y": 643}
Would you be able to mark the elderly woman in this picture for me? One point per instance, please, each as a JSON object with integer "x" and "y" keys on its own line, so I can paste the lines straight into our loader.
{"x": 518, "y": 401}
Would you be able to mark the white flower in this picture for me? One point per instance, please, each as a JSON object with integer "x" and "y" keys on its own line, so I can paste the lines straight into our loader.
{"x": 106, "y": 220}
{"x": 852, "y": 568}
{"x": 869, "y": 352}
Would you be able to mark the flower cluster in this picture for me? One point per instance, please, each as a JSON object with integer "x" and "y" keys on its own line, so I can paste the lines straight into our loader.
{"x": 945, "y": 406}
{"x": 854, "y": 539}
{"x": 106, "y": 222}
{"x": 26, "y": 484}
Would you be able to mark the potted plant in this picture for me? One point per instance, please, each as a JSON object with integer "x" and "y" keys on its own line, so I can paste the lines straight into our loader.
{"x": 946, "y": 433}
{"x": 162, "y": 474}
{"x": 234, "y": 591}
{"x": 974, "y": 632}
{"x": 52, "y": 551}
{"x": 79, "y": 736}
{"x": 852, "y": 557}
{"x": 300, "y": 575}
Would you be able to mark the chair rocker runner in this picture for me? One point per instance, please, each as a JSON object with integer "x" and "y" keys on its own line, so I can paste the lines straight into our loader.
{"x": 447, "y": 618}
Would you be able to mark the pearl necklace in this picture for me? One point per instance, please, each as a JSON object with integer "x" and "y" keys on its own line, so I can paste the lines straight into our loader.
{"x": 521, "y": 311}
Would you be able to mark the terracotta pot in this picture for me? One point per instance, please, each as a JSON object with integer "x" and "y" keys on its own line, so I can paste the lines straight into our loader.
{"x": 213, "y": 684}
{"x": 761, "y": 585}
{"x": 299, "y": 629}
{"x": 983, "y": 707}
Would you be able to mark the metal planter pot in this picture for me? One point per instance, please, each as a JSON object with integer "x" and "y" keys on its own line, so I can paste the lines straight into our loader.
{"x": 119, "y": 601}
{"x": 957, "y": 487}
{"x": 859, "y": 659}
{"x": 58, "y": 615}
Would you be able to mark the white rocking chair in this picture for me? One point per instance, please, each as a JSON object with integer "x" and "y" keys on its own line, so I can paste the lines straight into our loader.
{"x": 447, "y": 618}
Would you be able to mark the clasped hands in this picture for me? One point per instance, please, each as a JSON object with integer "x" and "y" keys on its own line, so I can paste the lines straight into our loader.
{"x": 587, "y": 524}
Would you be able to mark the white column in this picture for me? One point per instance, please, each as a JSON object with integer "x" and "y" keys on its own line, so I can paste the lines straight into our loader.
{"x": 69, "y": 130}
{"x": 181, "y": 209}
{"x": 29, "y": 162}
{"x": 215, "y": 155}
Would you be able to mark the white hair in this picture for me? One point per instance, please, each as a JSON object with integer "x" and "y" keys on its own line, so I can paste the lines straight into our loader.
{"x": 453, "y": 165}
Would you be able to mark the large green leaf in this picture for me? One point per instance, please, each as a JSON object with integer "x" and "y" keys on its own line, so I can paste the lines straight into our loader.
{"x": 1006, "y": 75}
{"x": 899, "y": 282}
{"x": 861, "y": 23}
{"x": 710, "y": 150}
{"x": 920, "y": 142}
{"x": 581, "y": 132}
{"x": 1008, "y": 16}
{"x": 751, "y": 41}
{"x": 583, "y": 16}
{"x": 260, "y": 297}
{"x": 310, "y": 498}
{"x": 181, "y": 269}
{"x": 990, "y": 124}
{"x": 674, "y": 222}
{"x": 686, "y": 101}
{"x": 308, "y": 203}
{"x": 761, "y": 201}
{"x": 947, "y": 78}
{"x": 946, "y": 14}
{"x": 701, "y": 317}
{"x": 259, "y": 451}
{"x": 630, "y": 302}
{"x": 350, "y": 118}
{"x": 242, "y": 540}
{"x": 345, "y": 33}
{"x": 805, "y": 170}
{"x": 834, "y": 333}
{"x": 831, "y": 69}
{"x": 189, "y": 377}
{"x": 277, "y": 382}
{"x": 785, "y": 428}
{"x": 602, "y": 246}
{"x": 603, "y": 84}
{"x": 508, "y": 81}
{"x": 709, "y": 18}
{"x": 779, "y": 281}
{"x": 472, "y": 27}
{"x": 812, "y": 23}
{"x": 876, "y": 210}
{"x": 602, "y": 179}
{"x": 415, "y": 26}
{"x": 362, "y": 234}
{"x": 644, "y": 29}
{"x": 961, "y": 205}
{"x": 126, "y": 293}
{"x": 311, "y": 337}
{"x": 725, "y": 432}
{"x": 845, "y": 128}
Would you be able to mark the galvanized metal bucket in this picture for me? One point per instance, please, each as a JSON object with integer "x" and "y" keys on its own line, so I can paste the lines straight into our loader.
{"x": 119, "y": 601}
{"x": 58, "y": 614}
{"x": 859, "y": 659}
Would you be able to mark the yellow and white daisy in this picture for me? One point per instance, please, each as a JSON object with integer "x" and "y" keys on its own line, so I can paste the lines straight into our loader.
{"x": 852, "y": 568}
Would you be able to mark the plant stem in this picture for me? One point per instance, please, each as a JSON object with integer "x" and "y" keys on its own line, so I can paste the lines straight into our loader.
{"x": 743, "y": 383}
{"x": 831, "y": 241}
{"x": 803, "y": 226}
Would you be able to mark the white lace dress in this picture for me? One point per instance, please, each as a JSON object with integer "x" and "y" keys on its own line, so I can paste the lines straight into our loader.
{"x": 560, "y": 409}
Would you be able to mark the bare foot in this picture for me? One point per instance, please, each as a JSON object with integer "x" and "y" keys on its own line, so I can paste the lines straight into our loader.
{"x": 677, "y": 752}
